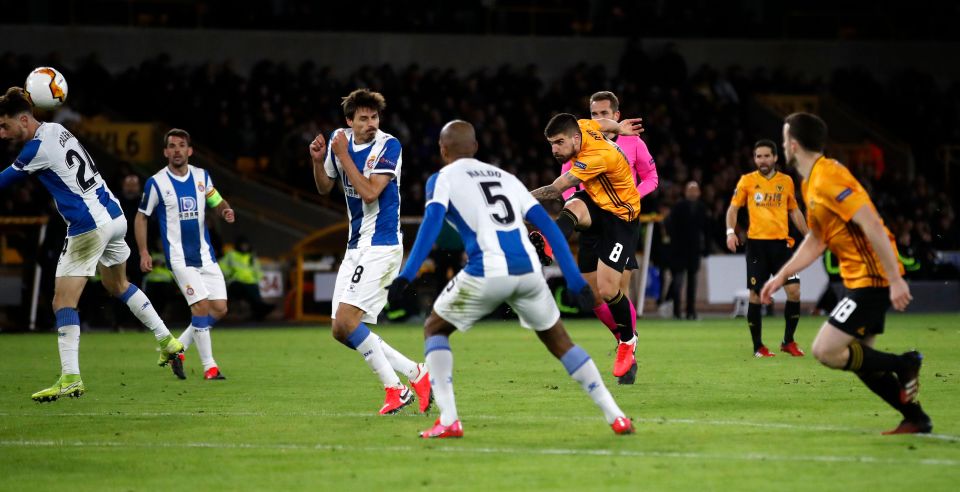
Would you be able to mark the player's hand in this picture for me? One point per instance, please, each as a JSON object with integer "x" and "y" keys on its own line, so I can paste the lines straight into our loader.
{"x": 228, "y": 215}
{"x": 732, "y": 242}
{"x": 395, "y": 291}
{"x": 631, "y": 126}
{"x": 318, "y": 149}
{"x": 585, "y": 299}
{"x": 339, "y": 144}
{"x": 146, "y": 263}
{"x": 900, "y": 294}
{"x": 770, "y": 288}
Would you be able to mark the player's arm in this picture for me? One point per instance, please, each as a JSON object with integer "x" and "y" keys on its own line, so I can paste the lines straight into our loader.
{"x": 627, "y": 126}
{"x": 732, "y": 240}
{"x": 554, "y": 191}
{"x": 438, "y": 195}
{"x": 224, "y": 210}
{"x": 370, "y": 188}
{"x": 321, "y": 168}
{"x": 649, "y": 179}
{"x": 809, "y": 250}
{"x": 11, "y": 175}
{"x": 796, "y": 216}
{"x": 140, "y": 233}
{"x": 866, "y": 217}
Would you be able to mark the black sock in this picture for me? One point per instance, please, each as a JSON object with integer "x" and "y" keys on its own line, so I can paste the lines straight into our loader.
{"x": 886, "y": 386}
{"x": 755, "y": 322}
{"x": 865, "y": 359}
{"x": 620, "y": 309}
{"x": 791, "y": 312}
{"x": 567, "y": 222}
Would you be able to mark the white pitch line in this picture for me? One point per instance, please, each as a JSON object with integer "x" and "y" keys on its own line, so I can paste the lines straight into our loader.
{"x": 488, "y": 450}
{"x": 681, "y": 421}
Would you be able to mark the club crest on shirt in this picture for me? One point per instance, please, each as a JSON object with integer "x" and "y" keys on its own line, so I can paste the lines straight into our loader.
{"x": 189, "y": 290}
{"x": 201, "y": 188}
{"x": 370, "y": 161}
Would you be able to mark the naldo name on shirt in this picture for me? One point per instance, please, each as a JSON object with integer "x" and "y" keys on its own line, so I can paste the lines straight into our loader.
{"x": 188, "y": 208}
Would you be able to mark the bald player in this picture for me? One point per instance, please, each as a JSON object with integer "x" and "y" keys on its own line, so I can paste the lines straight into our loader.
{"x": 487, "y": 207}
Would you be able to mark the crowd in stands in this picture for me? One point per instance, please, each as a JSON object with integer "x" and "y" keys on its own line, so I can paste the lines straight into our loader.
{"x": 697, "y": 122}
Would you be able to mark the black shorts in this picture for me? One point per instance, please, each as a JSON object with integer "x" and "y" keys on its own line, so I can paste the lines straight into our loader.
{"x": 609, "y": 239}
{"x": 862, "y": 312}
{"x": 765, "y": 257}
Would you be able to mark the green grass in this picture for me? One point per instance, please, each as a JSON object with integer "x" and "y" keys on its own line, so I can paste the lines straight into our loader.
{"x": 299, "y": 412}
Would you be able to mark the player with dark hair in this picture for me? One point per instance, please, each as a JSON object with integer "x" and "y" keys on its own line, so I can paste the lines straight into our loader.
{"x": 643, "y": 170}
{"x": 367, "y": 163}
{"x": 608, "y": 207}
{"x": 842, "y": 217}
{"x": 95, "y": 233}
{"x": 771, "y": 201}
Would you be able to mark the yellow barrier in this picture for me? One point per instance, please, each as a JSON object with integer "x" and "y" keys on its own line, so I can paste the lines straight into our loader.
{"x": 131, "y": 142}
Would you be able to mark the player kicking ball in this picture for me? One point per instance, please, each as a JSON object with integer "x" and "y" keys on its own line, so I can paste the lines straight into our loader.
{"x": 178, "y": 196}
{"x": 487, "y": 206}
{"x": 95, "y": 231}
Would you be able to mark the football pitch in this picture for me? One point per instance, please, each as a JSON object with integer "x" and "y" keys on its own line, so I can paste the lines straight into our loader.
{"x": 298, "y": 412}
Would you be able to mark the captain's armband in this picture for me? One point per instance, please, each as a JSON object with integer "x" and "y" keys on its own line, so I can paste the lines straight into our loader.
{"x": 214, "y": 198}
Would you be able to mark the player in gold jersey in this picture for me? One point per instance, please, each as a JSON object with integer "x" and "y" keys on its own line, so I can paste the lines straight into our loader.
{"x": 842, "y": 217}
{"x": 770, "y": 200}
{"x": 609, "y": 206}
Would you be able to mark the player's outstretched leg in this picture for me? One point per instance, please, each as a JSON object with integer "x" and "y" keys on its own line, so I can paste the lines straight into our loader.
{"x": 350, "y": 331}
{"x": 68, "y": 344}
{"x": 892, "y": 377}
{"x": 582, "y": 369}
{"x": 115, "y": 281}
{"x": 439, "y": 360}
{"x": 417, "y": 374}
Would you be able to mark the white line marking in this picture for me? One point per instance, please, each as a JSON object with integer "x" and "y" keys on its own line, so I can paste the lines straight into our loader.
{"x": 531, "y": 418}
{"x": 732, "y": 423}
{"x": 487, "y": 450}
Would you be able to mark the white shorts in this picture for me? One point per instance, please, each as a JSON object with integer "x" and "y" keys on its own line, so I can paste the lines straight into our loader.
{"x": 104, "y": 245}
{"x": 363, "y": 278}
{"x": 466, "y": 299}
{"x": 199, "y": 283}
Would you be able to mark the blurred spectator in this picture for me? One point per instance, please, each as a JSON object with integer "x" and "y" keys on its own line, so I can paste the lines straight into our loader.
{"x": 242, "y": 271}
{"x": 686, "y": 226}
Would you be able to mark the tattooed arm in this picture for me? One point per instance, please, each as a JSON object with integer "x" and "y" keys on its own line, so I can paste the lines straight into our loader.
{"x": 555, "y": 190}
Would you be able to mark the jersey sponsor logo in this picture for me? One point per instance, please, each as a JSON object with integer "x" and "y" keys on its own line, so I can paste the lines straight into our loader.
{"x": 387, "y": 161}
{"x": 351, "y": 192}
{"x": 188, "y": 208}
{"x": 844, "y": 194}
{"x": 758, "y": 198}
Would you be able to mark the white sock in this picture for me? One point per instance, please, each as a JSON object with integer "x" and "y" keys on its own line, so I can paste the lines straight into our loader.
{"x": 372, "y": 352}
{"x": 440, "y": 364}
{"x": 68, "y": 340}
{"x": 399, "y": 362}
{"x": 142, "y": 308}
{"x": 186, "y": 338}
{"x": 582, "y": 369}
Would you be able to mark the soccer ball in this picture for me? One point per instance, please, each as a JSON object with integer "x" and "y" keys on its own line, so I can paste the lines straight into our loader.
{"x": 46, "y": 88}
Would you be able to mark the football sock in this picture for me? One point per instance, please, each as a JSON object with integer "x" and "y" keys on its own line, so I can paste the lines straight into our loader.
{"x": 755, "y": 322}
{"x": 603, "y": 314}
{"x": 620, "y": 311}
{"x": 886, "y": 386}
{"x": 186, "y": 338}
{"x": 865, "y": 359}
{"x": 142, "y": 308}
{"x": 440, "y": 364}
{"x": 368, "y": 344}
{"x": 582, "y": 369}
{"x": 567, "y": 222}
{"x": 201, "y": 335}
{"x": 398, "y": 361}
{"x": 791, "y": 313}
{"x": 68, "y": 340}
